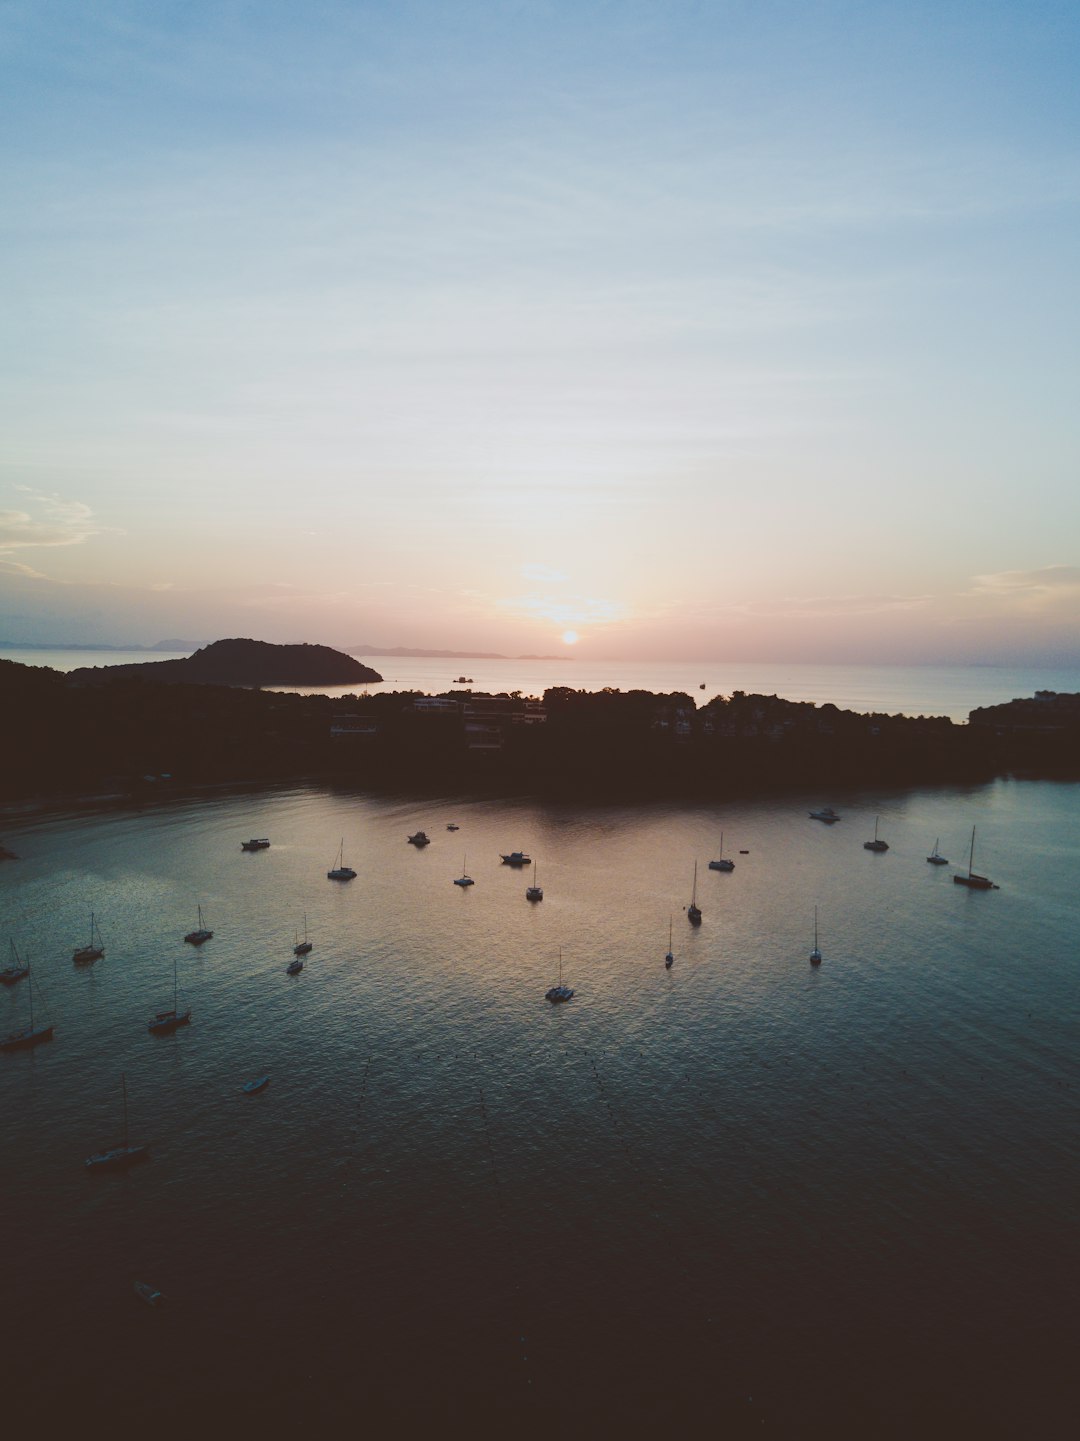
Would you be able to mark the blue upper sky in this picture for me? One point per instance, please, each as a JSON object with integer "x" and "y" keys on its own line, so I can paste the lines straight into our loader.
{"x": 740, "y": 329}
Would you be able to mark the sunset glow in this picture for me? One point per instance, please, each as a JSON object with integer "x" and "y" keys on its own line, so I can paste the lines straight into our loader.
{"x": 403, "y": 329}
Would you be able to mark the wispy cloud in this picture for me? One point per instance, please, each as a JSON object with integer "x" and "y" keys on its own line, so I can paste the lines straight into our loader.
{"x": 52, "y": 521}
{"x": 14, "y": 567}
{"x": 1036, "y": 588}
{"x": 818, "y": 606}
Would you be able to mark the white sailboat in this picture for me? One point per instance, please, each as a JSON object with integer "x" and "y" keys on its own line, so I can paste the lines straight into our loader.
{"x": 669, "y": 959}
{"x": 30, "y": 1035}
{"x": 464, "y": 879}
{"x": 302, "y": 947}
{"x": 341, "y": 872}
{"x": 815, "y": 954}
{"x": 166, "y": 1021}
{"x": 534, "y": 892}
{"x": 94, "y": 950}
{"x": 935, "y": 858}
{"x": 720, "y": 864}
{"x": 120, "y": 1156}
{"x": 693, "y": 913}
{"x": 199, "y": 934}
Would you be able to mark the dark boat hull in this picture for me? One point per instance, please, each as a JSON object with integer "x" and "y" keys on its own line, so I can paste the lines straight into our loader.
{"x": 162, "y": 1025}
{"x": 24, "y": 1040}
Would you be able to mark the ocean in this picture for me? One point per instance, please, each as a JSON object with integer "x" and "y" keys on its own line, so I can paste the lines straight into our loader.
{"x": 951, "y": 691}
{"x": 740, "y": 1196}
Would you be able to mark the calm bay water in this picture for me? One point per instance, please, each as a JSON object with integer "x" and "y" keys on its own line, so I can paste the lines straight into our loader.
{"x": 952, "y": 691}
{"x": 743, "y": 1192}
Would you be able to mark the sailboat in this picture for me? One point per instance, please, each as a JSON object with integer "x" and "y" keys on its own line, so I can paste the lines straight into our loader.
{"x": 534, "y": 892}
{"x": 693, "y": 914}
{"x": 875, "y": 844}
{"x": 815, "y": 954}
{"x": 30, "y": 1035}
{"x": 166, "y": 1021}
{"x": 295, "y": 966}
{"x": 559, "y": 992}
{"x": 464, "y": 879}
{"x": 199, "y": 934}
{"x": 341, "y": 872}
{"x": 669, "y": 959}
{"x": 720, "y": 864}
{"x": 302, "y": 947}
{"x": 17, "y": 970}
{"x": 87, "y": 954}
{"x": 935, "y": 858}
{"x": 973, "y": 881}
{"x": 122, "y": 1155}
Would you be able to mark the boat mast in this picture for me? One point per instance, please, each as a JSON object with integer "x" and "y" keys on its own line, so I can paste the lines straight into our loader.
{"x": 971, "y": 856}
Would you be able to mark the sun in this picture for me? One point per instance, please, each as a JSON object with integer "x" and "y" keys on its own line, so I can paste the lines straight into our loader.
{"x": 569, "y": 637}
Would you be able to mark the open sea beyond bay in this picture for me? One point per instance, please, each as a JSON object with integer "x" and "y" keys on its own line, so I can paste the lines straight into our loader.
{"x": 740, "y": 1195}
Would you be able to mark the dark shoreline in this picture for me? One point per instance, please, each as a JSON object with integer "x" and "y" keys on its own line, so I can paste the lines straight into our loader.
{"x": 130, "y": 737}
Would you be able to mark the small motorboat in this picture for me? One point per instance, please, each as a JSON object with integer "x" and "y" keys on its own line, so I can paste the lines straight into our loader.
{"x": 826, "y": 814}
{"x": 420, "y": 839}
{"x": 251, "y": 1087}
{"x": 148, "y": 1293}
{"x": 517, "y": 858}
{"x": 452, "y": 827}
{"x": 255, "y": 844}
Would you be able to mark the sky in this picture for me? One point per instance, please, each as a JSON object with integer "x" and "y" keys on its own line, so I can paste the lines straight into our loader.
{"x": 720, "y": 329}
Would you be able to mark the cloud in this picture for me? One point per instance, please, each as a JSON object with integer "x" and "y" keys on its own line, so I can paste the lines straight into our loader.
{"x": 573, "y": 610}
{"x": 14, "y": 567}
{"x": 1050, "y": 583}
{"x": 57, "y": 522}
{"x": 818, "y": 606}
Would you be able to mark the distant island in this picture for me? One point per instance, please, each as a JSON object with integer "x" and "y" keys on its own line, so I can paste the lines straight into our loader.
{"x": 240, "y": 662}
{"x": 173, "y": 645}
{"x": 419, "y": 653}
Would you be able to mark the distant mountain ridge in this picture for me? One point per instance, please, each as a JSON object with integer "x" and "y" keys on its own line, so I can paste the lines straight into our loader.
{"x": 241, "y": 662}
{"x": 420, "y": 653}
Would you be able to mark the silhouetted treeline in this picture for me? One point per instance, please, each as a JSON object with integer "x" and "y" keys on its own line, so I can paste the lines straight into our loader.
{"x": 129, "y": 734}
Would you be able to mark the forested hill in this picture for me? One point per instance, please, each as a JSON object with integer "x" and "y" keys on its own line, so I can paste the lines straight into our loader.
{"x": 243, "y": 662}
